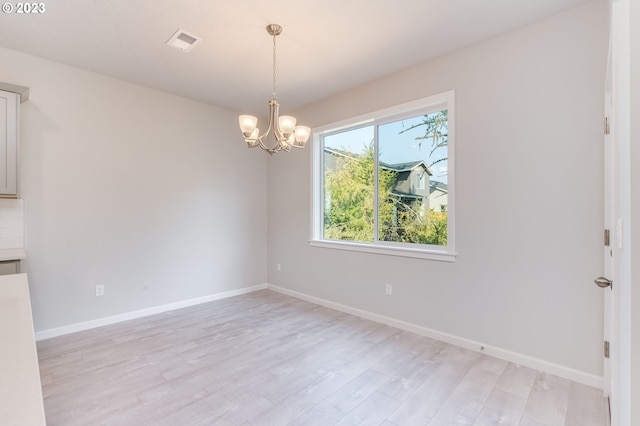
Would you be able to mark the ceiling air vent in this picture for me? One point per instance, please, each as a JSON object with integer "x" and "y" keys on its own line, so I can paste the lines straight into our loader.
{"x": 183, "y": 40}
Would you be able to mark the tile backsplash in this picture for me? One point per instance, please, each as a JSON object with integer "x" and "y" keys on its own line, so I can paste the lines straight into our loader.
{"x": 11, "y": 224}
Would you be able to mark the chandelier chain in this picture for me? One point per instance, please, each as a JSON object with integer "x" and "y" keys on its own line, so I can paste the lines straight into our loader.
{"x": 275, "y": 96}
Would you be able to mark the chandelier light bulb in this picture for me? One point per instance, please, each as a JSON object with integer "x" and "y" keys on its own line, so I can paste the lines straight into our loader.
{"x": 248, "y": 124}
{"x": 302, "y": 134}
{"x": 287, "y": 125}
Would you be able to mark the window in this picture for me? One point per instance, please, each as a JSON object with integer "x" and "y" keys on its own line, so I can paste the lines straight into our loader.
{"x": 384, "y": 183}
{"x": 422, "y": 180}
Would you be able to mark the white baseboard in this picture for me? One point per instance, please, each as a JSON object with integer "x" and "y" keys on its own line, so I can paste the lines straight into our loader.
{"x": 87, "y": 325}
{"x": 517, "y": 358}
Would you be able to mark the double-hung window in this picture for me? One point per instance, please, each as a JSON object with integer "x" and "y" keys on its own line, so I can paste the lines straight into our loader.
{"x": 384, "y": 182}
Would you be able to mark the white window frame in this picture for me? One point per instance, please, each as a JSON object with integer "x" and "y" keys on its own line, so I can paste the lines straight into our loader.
{"x": 426, "y": 105}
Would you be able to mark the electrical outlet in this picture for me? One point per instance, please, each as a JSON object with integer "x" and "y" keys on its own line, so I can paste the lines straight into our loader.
{"x": 99, "y": 290}
{"x": 388, "y": 289}
{"x": 278, "y": 267}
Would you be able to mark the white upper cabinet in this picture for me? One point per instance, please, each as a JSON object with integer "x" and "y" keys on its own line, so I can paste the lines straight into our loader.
{"x": 9, "y": 132}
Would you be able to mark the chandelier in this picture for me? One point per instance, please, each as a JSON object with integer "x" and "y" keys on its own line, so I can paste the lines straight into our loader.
{"x": 285, "y": 131}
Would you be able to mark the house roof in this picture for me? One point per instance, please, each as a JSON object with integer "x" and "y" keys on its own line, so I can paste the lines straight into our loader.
{"x": 395, "y": 167}
{"x": 406, "y": 167}
{"x": 340, "y": 153}
{"x": 437, "y": 186}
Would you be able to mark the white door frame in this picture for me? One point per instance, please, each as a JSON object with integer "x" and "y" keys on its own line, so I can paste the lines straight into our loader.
{"x": 618, "y": 382}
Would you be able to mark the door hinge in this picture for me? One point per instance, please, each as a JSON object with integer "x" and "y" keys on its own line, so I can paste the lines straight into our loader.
{"x": 607, "y": 237}
{"x": 606, "y": 349}
{"x": 607, "y": 128}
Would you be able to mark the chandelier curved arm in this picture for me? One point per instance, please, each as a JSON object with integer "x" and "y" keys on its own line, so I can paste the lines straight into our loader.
{"x": 284, "y": 141}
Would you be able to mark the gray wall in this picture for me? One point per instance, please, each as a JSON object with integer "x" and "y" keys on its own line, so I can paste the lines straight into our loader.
{"x": 141, "y": 191}
{"x": 529, "y": 197}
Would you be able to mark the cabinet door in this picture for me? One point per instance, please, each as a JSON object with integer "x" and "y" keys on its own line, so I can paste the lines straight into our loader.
{"x": 9, "y": 104}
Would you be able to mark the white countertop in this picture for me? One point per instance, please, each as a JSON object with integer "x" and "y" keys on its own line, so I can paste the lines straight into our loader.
{"x": 20, "y": 391}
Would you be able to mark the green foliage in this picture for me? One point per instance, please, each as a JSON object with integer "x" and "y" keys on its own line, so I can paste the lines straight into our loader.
{"x": 408, "y": 222}
{"x": 429, "y": 230}
{"x": 350, "y": 185}
{"x": 349, "y": 206}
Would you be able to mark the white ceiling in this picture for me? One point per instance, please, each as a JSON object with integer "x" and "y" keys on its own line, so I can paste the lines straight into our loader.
{"x": 326, "y": 45}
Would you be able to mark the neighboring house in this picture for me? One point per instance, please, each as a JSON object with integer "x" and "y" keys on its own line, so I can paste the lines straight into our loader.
{"x": 413, "y": 183}
{"x": 334, "y": 158}
{"x": 438, "y": 196}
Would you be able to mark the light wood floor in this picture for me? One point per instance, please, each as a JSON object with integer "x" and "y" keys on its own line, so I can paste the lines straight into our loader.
{"x": 269, "y": 359}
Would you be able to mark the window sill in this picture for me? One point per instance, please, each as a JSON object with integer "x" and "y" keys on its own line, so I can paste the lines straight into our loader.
{"x": 385, "y": 250}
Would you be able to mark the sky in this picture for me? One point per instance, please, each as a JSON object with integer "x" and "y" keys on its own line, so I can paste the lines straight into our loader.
{"x": 394, "y": 146}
